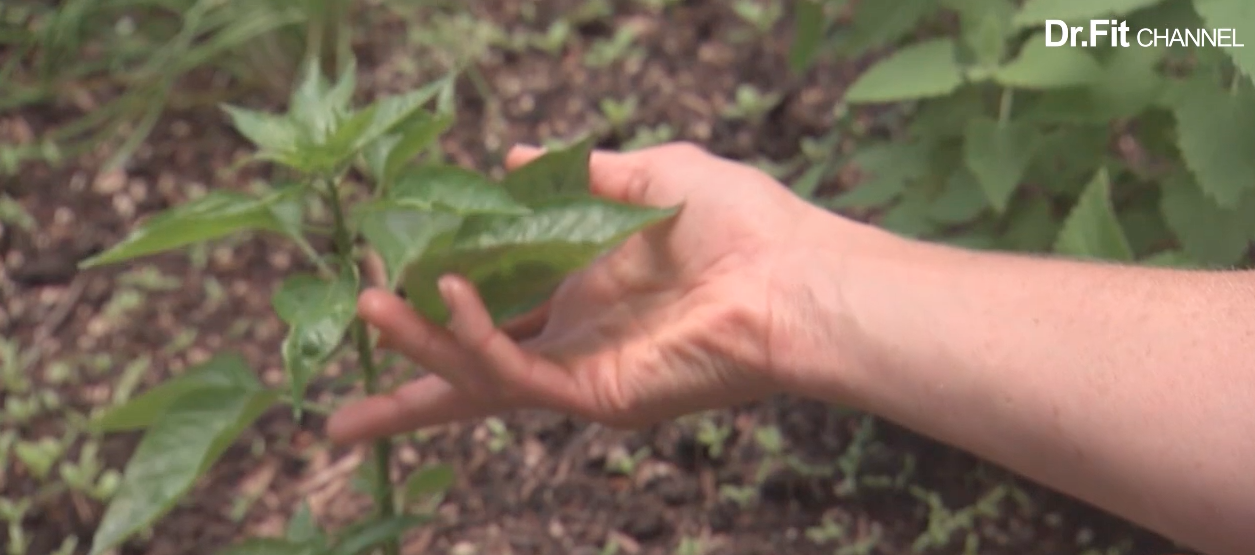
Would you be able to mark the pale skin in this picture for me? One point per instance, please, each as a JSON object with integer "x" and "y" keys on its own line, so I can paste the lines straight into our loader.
{"x": 1129, "y": 388}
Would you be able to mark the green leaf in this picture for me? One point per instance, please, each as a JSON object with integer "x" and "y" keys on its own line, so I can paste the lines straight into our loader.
{"x": 1091, "y": 229}
{"x": 317, "y": 107}
{"x": 1232, "y": 14}
{"x": 1170, "y": 259}
{"x": 269, "y": 132}
{"x": 318, "y": 312}
{"x": 223, "y": 371}
{"x": 909, "y": 217}
{"x": 555, "y": 173}
{"x": 880, "y": 24}
{"x": 1035, "y": 12}
{"x": 401, "y": 234}
{"x": 302, "y": 529}
{"x": 1208, "y": 233}
{"x": 1041, "y": 67}
{"x": 457, "y": 190}
{"x": 1032, "y": 226}
{"x": 429, "y": 481}
{"x": 386, "y": 114}
{"x": 517, "y": 260}
{"x": 998, "y": 154}
{"x": 213, "y": 216}
{"x": 962, "y": 201}
{"x": 808, "y": 34}
{"x": 888, "y": 169}
{"x": 922, "y": 70}
{"x": 269, "y": 546}
{"x": 179, "y": 447}
{"x": 373, "y": 533}
{"x": 413, "y": 137}
{"x": 985, "y": 27}
{"x": 1216, "y": 135}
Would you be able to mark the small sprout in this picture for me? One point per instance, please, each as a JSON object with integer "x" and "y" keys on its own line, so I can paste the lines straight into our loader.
{"x": 769, "y": 440}
{"x": 621, "y": 462}
{"x": 123, "y": 302}
{"x": 186, "y": 338}
{"x": 751, "y": 104}
{"x": 646, "y": 137}
{"x": 619, "y": 112}
{"x": 713, "y": 436}
{"x": 691, "y": 546}
{"x": 762, "y": 15}
{"x": 130, "y": 378}
{"x": 60, "y": 372}
{"x": 743, "y": 496}
{"x": 38, "y": 456}
{"x": 12, "y": 213}
{"x": 499, "y": 435}
{"x": 149, "y": 278}
{"x": 825, "y": 532}
{"x": 21, "y": 409}
{"x": 554, "y": 39}
{"x": 619, "y": 47}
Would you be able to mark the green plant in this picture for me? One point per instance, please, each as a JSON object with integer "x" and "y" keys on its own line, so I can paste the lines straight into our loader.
{"x": 1130, "y": 154}
{"x": 516, "y": 240}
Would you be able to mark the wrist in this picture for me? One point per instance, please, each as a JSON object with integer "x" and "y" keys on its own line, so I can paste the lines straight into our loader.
{"x": 823, "y": 339}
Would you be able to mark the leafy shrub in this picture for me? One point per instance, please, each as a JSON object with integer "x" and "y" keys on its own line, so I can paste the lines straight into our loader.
{"x": 515, "y": 239}
{"x": 1133, "y": 154}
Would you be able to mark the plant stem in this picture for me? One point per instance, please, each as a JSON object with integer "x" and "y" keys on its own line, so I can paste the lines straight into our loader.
{"x": 385, "y": 500}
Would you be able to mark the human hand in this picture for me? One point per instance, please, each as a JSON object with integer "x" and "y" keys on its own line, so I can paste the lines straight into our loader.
{"x": 677, "y": 319}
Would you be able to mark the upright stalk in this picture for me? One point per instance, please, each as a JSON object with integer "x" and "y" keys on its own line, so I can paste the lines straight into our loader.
{"x": 385, "y": 500}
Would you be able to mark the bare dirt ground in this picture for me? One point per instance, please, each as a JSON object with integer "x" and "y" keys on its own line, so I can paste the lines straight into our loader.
{"x": 537, "y": 483}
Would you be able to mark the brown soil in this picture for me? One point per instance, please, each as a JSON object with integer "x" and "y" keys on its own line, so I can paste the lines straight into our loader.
{"x": 545, "y": 488}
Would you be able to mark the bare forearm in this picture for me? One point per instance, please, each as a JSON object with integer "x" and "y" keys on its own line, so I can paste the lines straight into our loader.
{"x": 1130, "y": 388}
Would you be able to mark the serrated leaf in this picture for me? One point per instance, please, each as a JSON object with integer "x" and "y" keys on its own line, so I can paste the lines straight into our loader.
{"x": 1216, "y": 135}
{"x": 880, "y": 24}
{"x": 961, "y": 201}
{"x": 268, "y": 132}
{"x": 375, "y": 532}
{"x": 517, "y": 260}
{"x": 213, "y": 216}
{"x": 413, "y": 137}
{"x": 429, "y": 481}
{"x": 1208, "y": 233}
{"x": 223, "y": 371}
{"x": 888, "y": 169}
{"x": 459, "y": 190}
{"x": 318, "y": 313}
{"x": 401, "y": 234}
{"x": 1091, "y": 230}
{"x": 1032, "y": 226}
{"x": 175, "y": 451}
{"x": 998, "y": 154}
{"x": 808, "y": 34}
{"x": 1238, "y": 15}
{"x": 922, "y": 70}
{"x": 555, "y": 173}
{"x": 1041, "y": 67}
{"x": 1035, "y": 12}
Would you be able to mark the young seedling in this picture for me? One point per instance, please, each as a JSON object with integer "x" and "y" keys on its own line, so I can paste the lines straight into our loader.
{"x": 516, "y": 240}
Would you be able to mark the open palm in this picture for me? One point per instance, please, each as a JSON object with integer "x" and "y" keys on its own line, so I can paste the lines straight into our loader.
{"x": 676, "y": 319}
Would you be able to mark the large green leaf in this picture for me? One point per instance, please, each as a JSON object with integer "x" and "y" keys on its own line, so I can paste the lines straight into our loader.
{"x": 225, "y": 370}
{"x": 1042, "y": 67}
{"x": 1032, "y": 227}
{"x": 1092, "y": 229}
{"x": 1216, "y": 135}
{"x": 175, "y": 451}
{"x": 462, "y": 191}
{"x": 808, "y": 34}
{"x": 556, "y": 173}
{"x": 922, "y": 70}
{"x": 998, "y": 154}
{"x": 1209, "y": 234}
{"x": 1036, "y": 12}
{"x": 401, "y": 234}
{"x": 271, "y": 133}
{"x": 1238, "y": 15}
{"x": 961, "y": 201}
{"x": 880, "y": 24}
{"x": 213, "y": 216}
{"x": 372, "y": 533}
{"x": 318, "y": 313}
{"x": 517, "y": 260}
